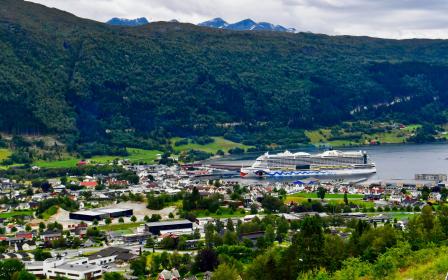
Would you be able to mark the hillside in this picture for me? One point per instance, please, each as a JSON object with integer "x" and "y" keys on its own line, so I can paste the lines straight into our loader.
{"x": 90, "y": 82}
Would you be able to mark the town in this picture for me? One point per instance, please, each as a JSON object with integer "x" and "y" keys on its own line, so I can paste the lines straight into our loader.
{"x": 109, "y": 221}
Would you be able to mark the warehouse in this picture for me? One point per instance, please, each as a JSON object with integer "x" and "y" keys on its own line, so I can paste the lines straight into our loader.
{"x": 100, "y": 214}
{"x": 157, "y": 227}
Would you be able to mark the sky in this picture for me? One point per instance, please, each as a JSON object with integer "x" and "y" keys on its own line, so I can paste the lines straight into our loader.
{"x": 397, "y": 19}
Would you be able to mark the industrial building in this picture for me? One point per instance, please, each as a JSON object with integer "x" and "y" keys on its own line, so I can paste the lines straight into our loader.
{"x": 157, "y": 227}
{"x": 100, "y": 214}
{"x": 59, "y": 267}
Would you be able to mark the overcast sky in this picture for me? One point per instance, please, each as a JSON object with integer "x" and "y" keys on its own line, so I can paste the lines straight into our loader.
{"x": 378, "y": 18}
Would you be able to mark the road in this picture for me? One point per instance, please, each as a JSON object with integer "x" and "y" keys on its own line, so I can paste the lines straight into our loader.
{"x": 72, "y": 253}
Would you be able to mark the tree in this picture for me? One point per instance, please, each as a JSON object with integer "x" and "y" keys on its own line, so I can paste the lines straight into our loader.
{"x": 209, "y": 230}
{"x": 345, "y": 198}
{"x": 146, "y": 219}
{"x": 282, "y": 228}
{"x": 230, "y": 238}
{"x": 253, "y": 209}
{"x": 108, "y": 221}
{"x": 230, "y": 226}
{"x": 133, "y": 219}
{"x": 225, "y": 272}
{"x": 309, "y": 242}
{"x": 121, "y": 220}
{"x": 42, "y": 226}
{"x": 23, "y": 275}
{"x": 427, "y": 218}
{"x": 95, "y": 222}
{"x": 150, "y": 242}
{"x": 171, "y": 215}
{"x": 138, "y": 266}
{"x": 269, "y": 234}
{"x": 40, "y": 255}
{"x": 271, "y": 204}
{"x": 425, "y": 193}
{"x": 267, "y": 266}
{"x": 155, "y": 218}
{"x": 8, "y": 267}
{"x": 321, "y": 191}
{"x": 206, "y": 260}
{"x": 335, "y": 252}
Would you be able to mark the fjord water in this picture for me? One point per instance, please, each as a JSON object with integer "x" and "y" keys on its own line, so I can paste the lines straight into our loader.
{"x": 394, "y": 161}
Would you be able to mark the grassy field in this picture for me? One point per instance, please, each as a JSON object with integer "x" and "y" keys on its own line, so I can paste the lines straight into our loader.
{"x": 401, "y": 215}
{"x": 4, "y": 154}
{"x": 327, "y": 196}
{"x": 71, "y": 162}
{"x": 388, "y": 136}
{"x": 16, "y": 213}
{"x": 138, "y": 155}
{"x": 225, "y": 213}
{"x": 355, "y": 200}
{"x": 219, "y": 143}
{"x": 120, "y": 227}
{"x": 50, "y": 212}
{"x": 135, "y": 155}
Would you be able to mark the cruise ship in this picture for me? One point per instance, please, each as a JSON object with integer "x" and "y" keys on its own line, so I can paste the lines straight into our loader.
{"x": 327, "y": 164}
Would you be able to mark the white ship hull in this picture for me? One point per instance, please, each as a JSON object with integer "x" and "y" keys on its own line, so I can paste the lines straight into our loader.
{"x": 262, "y": 173}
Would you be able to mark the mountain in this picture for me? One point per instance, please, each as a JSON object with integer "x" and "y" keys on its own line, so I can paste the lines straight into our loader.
{"x": 246, "y": 24}
{"x": 215, "y": 23}
{"x": 96, "y": 86}
{"x": 128, "y": 22}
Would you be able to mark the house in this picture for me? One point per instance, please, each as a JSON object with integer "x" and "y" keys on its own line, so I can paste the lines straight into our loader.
{"x": 88, "y": 184}
{"x": 115, "y": 182}
{"x": 24, "y": 235}
{"x": 373, "y": 196}
{"x": 169, "y": 275}
{"x": 82, "y": 163}
{"x": 252, "y": 236}
{"x": 435, "y": 197}
{"x": 81, "y": 230}
{"x": 135, "y": 238}
{"x": 50, "y": 235}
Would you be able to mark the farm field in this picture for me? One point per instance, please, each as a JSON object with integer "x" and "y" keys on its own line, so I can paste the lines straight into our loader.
{"x": 16, "y": 213}
{"x": 219, "y": 144}
{"x": 382, "y": 133}
{"x": 135, "y": 155}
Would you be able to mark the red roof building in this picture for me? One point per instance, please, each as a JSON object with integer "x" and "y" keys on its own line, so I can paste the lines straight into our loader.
{"x": 88, "y": 184}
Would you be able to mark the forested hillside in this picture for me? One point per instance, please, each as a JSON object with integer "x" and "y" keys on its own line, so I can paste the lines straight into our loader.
{"x": 136, "y": 86}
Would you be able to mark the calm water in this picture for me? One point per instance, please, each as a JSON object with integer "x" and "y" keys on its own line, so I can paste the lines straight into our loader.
{"x": 401, "y": 161}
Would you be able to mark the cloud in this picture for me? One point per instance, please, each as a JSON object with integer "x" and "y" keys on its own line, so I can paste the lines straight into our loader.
{"x": 379, "y": 18}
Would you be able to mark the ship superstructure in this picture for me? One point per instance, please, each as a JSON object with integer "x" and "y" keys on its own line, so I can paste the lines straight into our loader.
{"x": 308, "y": 165}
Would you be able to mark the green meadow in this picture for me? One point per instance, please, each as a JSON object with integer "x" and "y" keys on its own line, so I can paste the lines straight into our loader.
{"x": 219, "y": 143}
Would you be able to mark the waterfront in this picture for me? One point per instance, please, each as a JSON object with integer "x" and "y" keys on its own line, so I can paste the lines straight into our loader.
{"x": 401, "y": 161}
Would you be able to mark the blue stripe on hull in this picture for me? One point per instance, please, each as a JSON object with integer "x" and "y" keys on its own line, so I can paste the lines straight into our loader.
{"x": 297, "y": 173}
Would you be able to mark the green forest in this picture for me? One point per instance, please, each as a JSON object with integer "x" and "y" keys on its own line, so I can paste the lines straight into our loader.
{"x": 103, "y": 88}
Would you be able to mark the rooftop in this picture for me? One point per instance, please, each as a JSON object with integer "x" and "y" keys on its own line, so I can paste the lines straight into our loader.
{"x": 78, "y": 268}
{"x": 168, "y": 223}
{"x": 101, "y": 211}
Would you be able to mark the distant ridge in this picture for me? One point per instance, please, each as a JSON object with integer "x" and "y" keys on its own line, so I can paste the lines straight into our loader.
{"x": 246, "y": 24}
{"x": 128, "y": 22}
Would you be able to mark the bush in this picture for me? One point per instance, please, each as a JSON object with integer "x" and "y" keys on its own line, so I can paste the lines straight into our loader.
{"x": 236, "y": 151}
{"x": 181, "y": 142}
